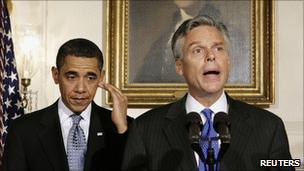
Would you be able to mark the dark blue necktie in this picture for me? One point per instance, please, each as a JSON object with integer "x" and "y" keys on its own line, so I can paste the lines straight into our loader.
{"x": 208, "y": 132}
{"x": 76, "y": 145}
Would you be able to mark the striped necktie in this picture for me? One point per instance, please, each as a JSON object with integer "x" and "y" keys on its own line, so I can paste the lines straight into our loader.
{"x": 209, "y": 132}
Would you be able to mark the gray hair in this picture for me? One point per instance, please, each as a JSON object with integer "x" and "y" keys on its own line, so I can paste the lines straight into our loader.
{"x": 177, "y": 41}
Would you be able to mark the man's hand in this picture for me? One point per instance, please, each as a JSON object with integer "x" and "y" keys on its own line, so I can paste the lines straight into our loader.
{"x": 120, "y": 106}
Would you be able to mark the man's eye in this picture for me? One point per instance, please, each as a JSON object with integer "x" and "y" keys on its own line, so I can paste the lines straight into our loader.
{"x": 197, "y": 51}
{"x": 92, "y": 77}
{"x": 71, "y": 76}
{"x": 220, "y": 48}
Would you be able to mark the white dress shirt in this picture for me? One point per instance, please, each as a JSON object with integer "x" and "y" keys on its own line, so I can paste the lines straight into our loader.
{"x": 192, "y": 105}
{"x": 184, "y": 16}
{"x": 66, "y": 121}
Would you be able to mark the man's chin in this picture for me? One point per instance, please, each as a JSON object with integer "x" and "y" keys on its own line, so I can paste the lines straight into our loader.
{"x": 216, "y": 90}
{"x": 214, "y": 87}
{"x": 79, "y": 108}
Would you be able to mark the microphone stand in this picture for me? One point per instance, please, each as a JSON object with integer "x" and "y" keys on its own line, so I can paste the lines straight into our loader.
{"x": 210, "y": 156}
{"x": 197, "y": 148}
{"x": 210, "y": 160}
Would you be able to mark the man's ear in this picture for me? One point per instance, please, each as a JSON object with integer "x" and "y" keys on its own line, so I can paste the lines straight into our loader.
{"x": 55, "y": 74}
{"x": 179, "y": 66}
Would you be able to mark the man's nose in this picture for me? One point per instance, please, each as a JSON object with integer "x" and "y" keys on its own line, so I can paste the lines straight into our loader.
{"x": 81, "y": 86}
{"x": 210, "y": 57}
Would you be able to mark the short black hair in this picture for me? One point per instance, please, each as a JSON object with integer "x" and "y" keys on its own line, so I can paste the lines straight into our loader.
{"x": 79, "y": 47}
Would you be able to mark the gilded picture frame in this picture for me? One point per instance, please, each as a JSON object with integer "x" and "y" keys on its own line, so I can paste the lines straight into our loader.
{"x": 122, "y": 40}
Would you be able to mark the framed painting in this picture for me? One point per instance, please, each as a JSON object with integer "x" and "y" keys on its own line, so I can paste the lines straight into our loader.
{"x": 139, "y": 60}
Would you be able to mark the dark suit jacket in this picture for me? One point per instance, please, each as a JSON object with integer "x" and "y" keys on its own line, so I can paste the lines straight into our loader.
{"x": 158, "y": 140}
{"x": 35, "y": 142}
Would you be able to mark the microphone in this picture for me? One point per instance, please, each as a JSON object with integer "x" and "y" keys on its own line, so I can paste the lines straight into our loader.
{"x": 194, "y": 126}
{"x": 194, "y": 123}
{"x": 221, "y": 125}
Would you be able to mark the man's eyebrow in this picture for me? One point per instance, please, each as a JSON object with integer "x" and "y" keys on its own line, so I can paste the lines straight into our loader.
{"x": 197, "y": 43}
{"x": 71, "y": 72}
{"x": 91, "y": 74}
{"x": 193, "y": 44}
{"x": 219, "y": 43}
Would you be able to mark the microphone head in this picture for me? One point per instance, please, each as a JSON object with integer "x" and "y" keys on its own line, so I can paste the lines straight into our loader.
{"x": 220, "y": 118}
{"x": 194, "y": 124}
{"x": 194, "y": 118}
{"x": 221, "y": 125}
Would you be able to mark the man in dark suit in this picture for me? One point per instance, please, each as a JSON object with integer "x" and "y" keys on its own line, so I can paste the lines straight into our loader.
{"x": 40, "y": 140}
{"x": 159, "y": 139}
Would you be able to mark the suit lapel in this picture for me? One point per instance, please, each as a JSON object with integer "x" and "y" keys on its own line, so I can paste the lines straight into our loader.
{"x": 240, "y": 131}
{"x": 177, "y": 135}
{"x": 96, "y": 137}
{"x": 51, "y": 138}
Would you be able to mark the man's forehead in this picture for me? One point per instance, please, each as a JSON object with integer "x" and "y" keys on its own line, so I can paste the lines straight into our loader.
{"x": 73, "y": 58}
{"x": 80, "y": 61}
{"x": 81, "y": 72}
{"x": 205, "y": 30}
{"x": 80, "y": 65}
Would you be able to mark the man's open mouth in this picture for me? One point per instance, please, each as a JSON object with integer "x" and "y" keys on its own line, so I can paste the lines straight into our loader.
{"x": 211, "y": 73}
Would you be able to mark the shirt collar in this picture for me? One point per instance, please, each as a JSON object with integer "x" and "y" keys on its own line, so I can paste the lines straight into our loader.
{"x": 221, "y": 105}
{"x": 64, "y": 112}
{"x": 184, "y": 16}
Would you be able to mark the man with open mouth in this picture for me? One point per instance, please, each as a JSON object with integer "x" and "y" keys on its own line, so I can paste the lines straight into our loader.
{"x": 181, "y": 136}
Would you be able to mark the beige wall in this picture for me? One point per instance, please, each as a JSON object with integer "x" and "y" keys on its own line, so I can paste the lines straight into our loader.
{"x": 59, "y": 21}
{"x": 289, "y": 71}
